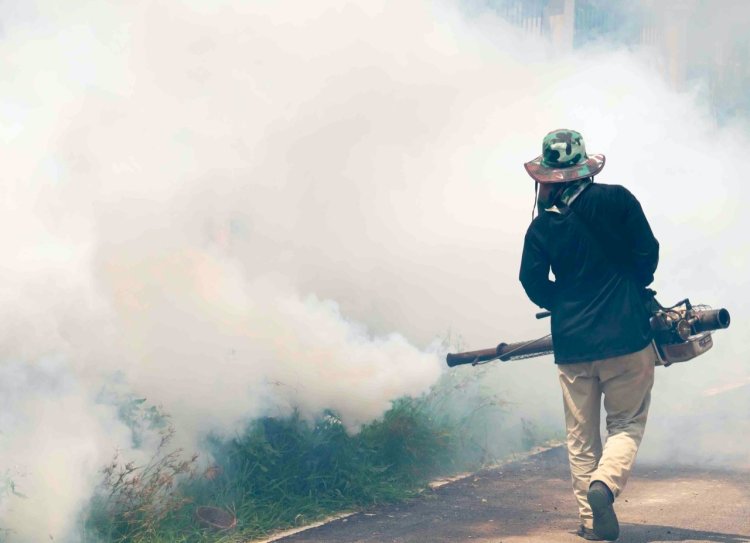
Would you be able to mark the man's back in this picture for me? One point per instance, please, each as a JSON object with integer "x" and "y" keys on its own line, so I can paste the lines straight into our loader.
{"x": 603, "y": 254}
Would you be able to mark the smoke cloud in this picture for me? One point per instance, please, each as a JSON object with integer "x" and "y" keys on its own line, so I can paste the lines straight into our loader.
{"x": 237, "y": 209}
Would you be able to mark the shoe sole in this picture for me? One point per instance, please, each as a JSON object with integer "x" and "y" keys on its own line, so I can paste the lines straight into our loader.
{"x": 605, "y": 520}
{"x": 588, "y": 536}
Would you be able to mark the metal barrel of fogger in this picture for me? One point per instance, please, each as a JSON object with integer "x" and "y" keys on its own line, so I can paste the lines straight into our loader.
{"x": 504, "y": 351}
{"x": 711, "y": 319}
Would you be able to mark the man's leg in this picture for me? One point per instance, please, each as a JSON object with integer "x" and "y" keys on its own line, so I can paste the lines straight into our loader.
{"x": 626, "y": 382}
{"x": 581, "y": 398}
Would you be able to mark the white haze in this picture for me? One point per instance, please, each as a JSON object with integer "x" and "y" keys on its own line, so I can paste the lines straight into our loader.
{"x": 236, "y": 209}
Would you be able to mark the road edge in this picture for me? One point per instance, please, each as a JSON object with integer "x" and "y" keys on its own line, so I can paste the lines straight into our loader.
{"x": 435, "y": 484}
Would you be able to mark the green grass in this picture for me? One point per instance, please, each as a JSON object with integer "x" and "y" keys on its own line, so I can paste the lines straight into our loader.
{"x": 284, "y": 472}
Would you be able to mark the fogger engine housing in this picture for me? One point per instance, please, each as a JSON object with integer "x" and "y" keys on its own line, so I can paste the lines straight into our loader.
{"x": 683, "y": 331}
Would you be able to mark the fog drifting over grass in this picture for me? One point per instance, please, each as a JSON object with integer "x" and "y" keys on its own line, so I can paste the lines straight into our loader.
{"x": 234, "y": 209}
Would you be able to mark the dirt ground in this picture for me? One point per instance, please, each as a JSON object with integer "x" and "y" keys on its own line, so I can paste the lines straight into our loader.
{"x": 531, "y": 500}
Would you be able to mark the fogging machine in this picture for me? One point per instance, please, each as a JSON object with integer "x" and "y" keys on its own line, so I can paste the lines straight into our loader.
{"x": 681, "y": 332}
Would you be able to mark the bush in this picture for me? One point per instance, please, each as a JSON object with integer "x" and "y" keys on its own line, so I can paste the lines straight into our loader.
{"x": 282, "y": 472}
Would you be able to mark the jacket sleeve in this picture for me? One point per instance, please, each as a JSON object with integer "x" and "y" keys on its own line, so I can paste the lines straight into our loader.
{"x": 644, "y": 248}
{"x": 534, "y": 274}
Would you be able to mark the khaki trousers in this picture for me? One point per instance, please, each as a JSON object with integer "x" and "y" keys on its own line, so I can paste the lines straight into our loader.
{"x": 626, "y": 383}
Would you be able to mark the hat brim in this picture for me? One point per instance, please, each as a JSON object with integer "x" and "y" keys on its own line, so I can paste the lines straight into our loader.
{"x": 592, "y": 166}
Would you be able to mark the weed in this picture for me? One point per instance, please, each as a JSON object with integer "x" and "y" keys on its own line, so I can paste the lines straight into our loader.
{"x": 282, "y": 472}
{"x": 133, "y": 501}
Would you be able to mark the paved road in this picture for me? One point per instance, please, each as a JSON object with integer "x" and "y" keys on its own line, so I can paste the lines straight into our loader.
{"x": 531, "y": 501}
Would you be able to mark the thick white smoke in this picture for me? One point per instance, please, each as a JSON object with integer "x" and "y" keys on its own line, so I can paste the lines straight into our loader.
{"x": 243, "y": 208}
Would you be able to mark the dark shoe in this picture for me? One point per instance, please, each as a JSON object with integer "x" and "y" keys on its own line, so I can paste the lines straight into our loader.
{"x": 605, "y": 521}
{"x": 588, "y": 534}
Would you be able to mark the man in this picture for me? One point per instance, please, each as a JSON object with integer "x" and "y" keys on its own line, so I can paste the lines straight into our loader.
{"x": 598, "y": 244}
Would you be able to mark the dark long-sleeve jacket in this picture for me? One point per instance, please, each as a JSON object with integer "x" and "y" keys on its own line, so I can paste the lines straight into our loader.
{"x": 602, "y": 254}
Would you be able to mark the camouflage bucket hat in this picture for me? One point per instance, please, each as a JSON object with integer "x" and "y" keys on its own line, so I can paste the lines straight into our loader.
{"x": 564, "y": 159}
